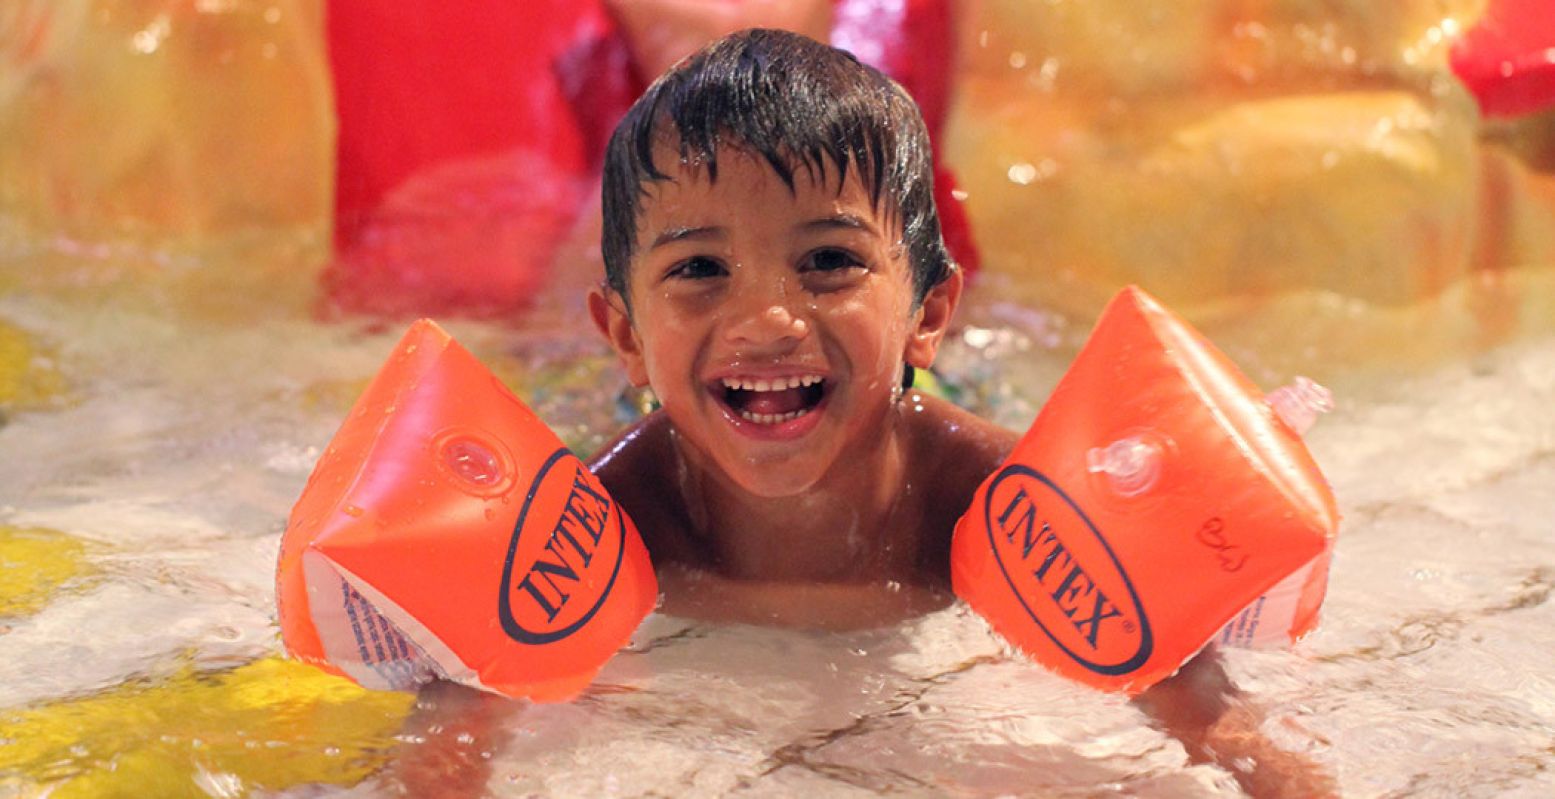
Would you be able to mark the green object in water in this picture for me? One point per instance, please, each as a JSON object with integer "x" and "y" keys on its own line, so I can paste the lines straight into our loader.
{"x": 929, "y": 383}
{"x": 266, "y": 726}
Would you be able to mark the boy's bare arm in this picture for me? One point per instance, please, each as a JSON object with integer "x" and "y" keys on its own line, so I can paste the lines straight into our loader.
{"x": 638, "y": 468}
{"x": 1217, "y": 724}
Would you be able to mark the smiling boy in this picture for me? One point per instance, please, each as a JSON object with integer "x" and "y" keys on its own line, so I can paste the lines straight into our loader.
{"x": 775, "y": 270}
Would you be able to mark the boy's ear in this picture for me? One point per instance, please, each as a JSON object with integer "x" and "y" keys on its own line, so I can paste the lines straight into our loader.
{"x": 608, "y": 310}
{"x": 933, "y": 319}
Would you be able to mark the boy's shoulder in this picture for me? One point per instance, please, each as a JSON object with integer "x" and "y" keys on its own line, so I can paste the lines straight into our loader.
{"x": 951, "y": 452}
{"x": 635, "y": 461}
{"x": 637, "y": 468}
{"x": 948, "y": 438}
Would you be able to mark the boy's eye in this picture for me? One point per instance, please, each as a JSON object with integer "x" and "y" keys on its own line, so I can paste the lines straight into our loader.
{"x": 696, "y": 268}
{"x": 830, "y": 260}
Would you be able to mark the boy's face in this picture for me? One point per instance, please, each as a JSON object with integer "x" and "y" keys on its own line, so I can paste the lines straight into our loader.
{"x": 772, "y": 324}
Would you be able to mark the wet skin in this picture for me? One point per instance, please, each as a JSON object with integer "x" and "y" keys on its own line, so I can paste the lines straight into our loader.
{"x": 773, "y": 325}
{"x": 844, "y": 570}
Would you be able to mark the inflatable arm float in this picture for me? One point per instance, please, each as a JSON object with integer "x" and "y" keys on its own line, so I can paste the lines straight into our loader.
{"x": 447, "y": 532}
{"x": 1159, "y": 501}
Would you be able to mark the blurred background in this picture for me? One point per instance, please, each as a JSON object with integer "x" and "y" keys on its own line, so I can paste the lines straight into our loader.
{"x": 412, "y": 158}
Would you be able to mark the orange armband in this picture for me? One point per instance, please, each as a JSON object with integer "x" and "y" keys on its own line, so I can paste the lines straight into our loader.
{"x": 1156, "y": 501}
{"x": 447, "y": 532}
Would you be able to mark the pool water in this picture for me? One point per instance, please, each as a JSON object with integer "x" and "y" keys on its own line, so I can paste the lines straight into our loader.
{"x": 157, "y": 432}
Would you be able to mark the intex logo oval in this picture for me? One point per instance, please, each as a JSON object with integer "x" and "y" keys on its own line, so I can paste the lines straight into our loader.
{"x": 1064, "y": 573}
{"x": 573, "y": 539}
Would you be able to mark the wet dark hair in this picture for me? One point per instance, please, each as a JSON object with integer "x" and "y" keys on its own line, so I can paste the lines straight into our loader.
{"x": 795, "y": 103}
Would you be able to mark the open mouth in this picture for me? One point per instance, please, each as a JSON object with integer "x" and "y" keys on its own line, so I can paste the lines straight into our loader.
{"x": 772, "y": 401}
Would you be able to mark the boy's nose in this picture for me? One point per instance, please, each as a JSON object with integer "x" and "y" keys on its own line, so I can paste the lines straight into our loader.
{"x": 767, "y": 322}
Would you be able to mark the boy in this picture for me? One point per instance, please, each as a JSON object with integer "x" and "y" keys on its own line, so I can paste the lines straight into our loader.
{"x": 775, "y": 271}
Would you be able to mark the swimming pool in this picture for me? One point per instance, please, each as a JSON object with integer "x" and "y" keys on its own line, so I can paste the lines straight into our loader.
{"x": 183, "y": 436}
{"x": 164, "y": 405}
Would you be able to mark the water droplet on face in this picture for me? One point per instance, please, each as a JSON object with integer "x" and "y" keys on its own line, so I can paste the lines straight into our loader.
{"x": 352, "y": 510}
{"x": 472, "y": 462}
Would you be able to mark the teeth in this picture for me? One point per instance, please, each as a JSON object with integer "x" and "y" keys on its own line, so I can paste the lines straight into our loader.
{"x": 776, "y": 384}
{"x": 772, "y": 418}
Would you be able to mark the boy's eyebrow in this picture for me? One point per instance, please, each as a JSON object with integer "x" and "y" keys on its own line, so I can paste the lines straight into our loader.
{"x": 674, "y": 234}
{"x": 844, "y": 221}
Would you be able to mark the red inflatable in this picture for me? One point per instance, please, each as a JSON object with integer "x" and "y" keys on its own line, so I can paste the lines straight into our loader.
{"x": 1508, "y": 58}
{"x": 448, "y": 533}
{"x": 915, "y": 43}
{"x": 1157, "y": 501}
{"x": 469, "y": 136}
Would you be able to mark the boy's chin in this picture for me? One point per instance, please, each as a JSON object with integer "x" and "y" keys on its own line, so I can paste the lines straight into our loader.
{"x": 762, "y": 471}
{"x": 772, "y": 480}
{"x": 773, "y": 486}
